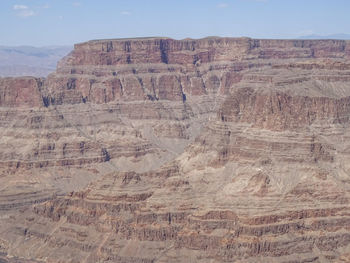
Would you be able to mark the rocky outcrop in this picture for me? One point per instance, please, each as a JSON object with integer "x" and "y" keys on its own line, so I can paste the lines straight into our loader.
{"x": 162, "y": 150}
{"x": 207, "y": 50}
{"x": 20, "y": 92}
{"x": 158, "y": 69}
{"x": 280, "y": 111}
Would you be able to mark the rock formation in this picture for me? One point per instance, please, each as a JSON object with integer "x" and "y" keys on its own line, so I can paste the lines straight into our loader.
{"x": 160, "y": 150}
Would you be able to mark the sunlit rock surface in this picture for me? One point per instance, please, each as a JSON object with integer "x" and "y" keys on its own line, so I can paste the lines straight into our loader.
{"x": 160, "y": 150}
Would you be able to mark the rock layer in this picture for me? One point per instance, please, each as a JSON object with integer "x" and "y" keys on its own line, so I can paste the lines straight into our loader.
{"x": 161, "y": 150}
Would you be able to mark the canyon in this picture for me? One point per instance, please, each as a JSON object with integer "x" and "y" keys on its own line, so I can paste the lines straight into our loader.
{"x": 153, "y": 150}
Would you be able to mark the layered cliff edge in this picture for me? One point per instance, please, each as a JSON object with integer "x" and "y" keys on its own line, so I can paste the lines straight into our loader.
{"x": 162, "y": 150}
{"x": 98, "y": 70}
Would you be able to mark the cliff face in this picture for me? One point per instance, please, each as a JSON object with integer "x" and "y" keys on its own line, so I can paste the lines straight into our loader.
{"x": 162, "y": 150}
{"x": 20, "y": 92}
{"x": 184, "y": 52}
{"x": 280, "y": 111}
{"x": 167, "y": 69}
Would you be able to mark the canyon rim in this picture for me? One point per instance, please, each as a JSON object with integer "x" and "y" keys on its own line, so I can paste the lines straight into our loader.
{"x": 153, "y": 150}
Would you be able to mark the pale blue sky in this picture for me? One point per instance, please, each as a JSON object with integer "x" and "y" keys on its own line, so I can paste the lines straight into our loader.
{"x": 64, "y": 22}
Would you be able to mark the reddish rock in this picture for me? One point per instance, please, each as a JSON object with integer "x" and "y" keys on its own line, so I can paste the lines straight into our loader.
{"x": 160, "y": 150}
{"x": 280, "y": 111}
{"x": 20, "y": 92}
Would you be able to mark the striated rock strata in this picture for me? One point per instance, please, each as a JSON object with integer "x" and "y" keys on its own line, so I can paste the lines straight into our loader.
{"x": 160, "y": 150}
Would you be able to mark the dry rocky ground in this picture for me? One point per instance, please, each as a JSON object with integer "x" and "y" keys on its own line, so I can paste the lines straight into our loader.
{"x": 158, "y": 150}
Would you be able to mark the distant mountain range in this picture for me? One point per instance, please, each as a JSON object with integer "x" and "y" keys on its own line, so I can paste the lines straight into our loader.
{"x": 30, "y": 61}
{"x": 334, "y": 36}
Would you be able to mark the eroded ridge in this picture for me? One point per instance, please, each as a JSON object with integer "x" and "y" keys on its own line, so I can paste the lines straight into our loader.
{"x": 162, "y": 150}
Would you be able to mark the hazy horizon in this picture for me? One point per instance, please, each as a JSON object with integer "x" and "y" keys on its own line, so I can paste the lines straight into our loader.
{"x": 63, "y": 23}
